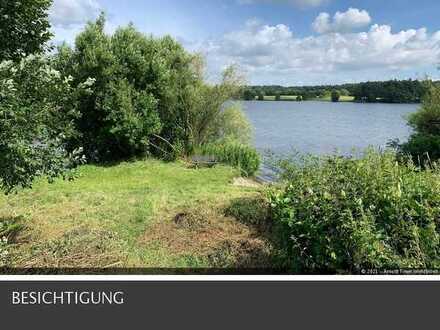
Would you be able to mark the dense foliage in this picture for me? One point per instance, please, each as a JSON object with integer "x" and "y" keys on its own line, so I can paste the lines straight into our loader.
{"x": 349, "y": 214}
{"x": 393, "y": 91}
{"x": 111, "y": 96}
{"x": 423, "y": 148}
{"x": 427, "y": 120}
{"x": 37, "y": 107}
{"x": 149, "y": 94}
{"x": 424, "y": 144}
{"x": 233, "y": 153}
{"x": 249, "y": 94}
{"x": 137, "y": 91}
{"x": 24, "y": 28}
{"x": 209, "y": 114}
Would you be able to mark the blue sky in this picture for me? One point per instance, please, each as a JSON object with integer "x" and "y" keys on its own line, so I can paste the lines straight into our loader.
{"x": 288, "y": 42}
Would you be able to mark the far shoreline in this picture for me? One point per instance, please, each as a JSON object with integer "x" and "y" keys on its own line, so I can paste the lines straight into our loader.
{"x": 323, "y": 100}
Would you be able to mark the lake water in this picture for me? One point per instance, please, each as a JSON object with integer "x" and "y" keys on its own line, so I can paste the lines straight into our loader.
{"x": 322, "y": 128}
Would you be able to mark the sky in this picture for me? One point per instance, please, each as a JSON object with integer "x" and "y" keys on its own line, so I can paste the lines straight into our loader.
{"x": 282, "y": 42}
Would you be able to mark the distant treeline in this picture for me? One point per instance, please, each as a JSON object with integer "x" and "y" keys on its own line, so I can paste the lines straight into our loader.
{"x": 392, "y": 91}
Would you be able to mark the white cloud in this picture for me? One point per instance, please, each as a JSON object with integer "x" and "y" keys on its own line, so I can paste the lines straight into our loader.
{"x": 273, "y": 53}
{"x": 348, "y": 21}
{"x": 69, "y": 16}
{"x": 297, "y": 3}
{"x": 67, "y": 13}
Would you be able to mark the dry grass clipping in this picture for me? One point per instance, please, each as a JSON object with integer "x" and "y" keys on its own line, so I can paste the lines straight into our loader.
{"x": 222, "y": 241}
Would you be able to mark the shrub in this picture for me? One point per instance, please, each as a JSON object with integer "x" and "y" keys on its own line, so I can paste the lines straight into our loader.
{"x": 427, "y": 119}
{"x": 24, "y": 27}
{"x": 423, "y": 148}
{"x": 37, "y": 107}
{"x": 347, "y": 214}
{"x": 138, "y": 93}
{"x": 424, "y": 144}
{"x": 238, "y": 155}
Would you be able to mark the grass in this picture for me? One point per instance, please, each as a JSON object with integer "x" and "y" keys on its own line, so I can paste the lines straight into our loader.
{"x": 141, "y": 214}
{"x": 235, "y": 154}
{"x": 324, "y": 99}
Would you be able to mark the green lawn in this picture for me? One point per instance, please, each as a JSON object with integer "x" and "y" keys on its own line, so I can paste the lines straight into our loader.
{"x": 141, "y": 214}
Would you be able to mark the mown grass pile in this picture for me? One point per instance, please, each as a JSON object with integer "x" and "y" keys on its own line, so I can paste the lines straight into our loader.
{"x": 341, "y": 214}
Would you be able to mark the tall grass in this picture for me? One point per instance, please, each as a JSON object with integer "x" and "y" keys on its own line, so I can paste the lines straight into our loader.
{"x": 238, "y": 155}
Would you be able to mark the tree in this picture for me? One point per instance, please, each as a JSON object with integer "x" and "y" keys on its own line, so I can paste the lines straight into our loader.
{"x": 137, "y": 103}
{"x": 207, "y": 119}
{"x": 326, "y": 94}
{"x": 36, "y": 103}
{"x": 261, "y": 96}
{"x": 426, "y": 121}
{"x": 232, "y": 125}
{"x": 345, "y": 92}
{"x": 249, "y": 94}
{"x": 277, "y": 97}
{"x": 393, "y": 91}
{"x": 24, "y": 28}
{"x": 424, "y": 144}
{"x": 335, "y": 96}
{"x": 149, "y": 95}
{"x": 37, "y": 107}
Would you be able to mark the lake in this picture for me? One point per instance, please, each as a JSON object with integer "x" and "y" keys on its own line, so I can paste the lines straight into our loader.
{"x": 322, "y": 128}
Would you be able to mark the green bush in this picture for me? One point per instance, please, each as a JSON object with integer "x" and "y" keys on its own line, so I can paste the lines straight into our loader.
{"x": 424, "y": 144}
{"x": 341, "y": 214}
{"x": 37, "y": 107}
{"x": 422, "y": 148}
{"x": 427, "y": 120}
{"x": 25, "y": 28}
{"x": 238, "y": 155}
{"x": 138, "y": 94}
